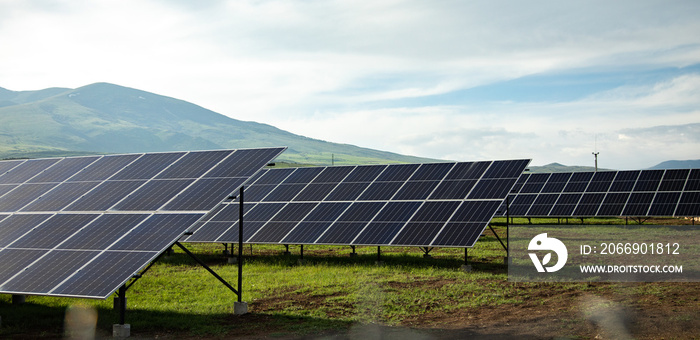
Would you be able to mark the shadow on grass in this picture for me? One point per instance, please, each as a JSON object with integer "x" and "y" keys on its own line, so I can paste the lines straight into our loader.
{"x": 396, "y": 259}
{"x": 37, "y": 320}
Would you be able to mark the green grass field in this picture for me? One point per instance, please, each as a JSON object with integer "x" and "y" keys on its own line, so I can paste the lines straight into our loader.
{"x": 329, "y": 294}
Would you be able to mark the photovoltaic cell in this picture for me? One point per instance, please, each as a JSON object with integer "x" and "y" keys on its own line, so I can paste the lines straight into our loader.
{"x": 105, "y": 195}
{"x": 204, "y": 194}
{"x": 156, "y": 232}
{"x": 194, "y": 164}
{"x": 106, "y": 269}
{"x": 48, "y": 271}
{"x": 53, "y": 231}
{"x": 82, "y": 226}
{"x": 23, "y": 195}
{"x": 12, "y": 227}
{"x": 150, "y": 196}
{"x": 103, "y": 231}
{"x": 147, "y": 166}
{"x": 103, "y": 168}
{"x": 378, "y": 233}
{"x": 62, "y": 170}
{"x": 26, "y": 170}
{"x": 60, "y": 196}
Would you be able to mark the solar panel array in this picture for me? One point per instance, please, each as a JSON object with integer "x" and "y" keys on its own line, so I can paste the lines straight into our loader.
{"x": 82, "y": 226}
{"x": 438, "y": 204}
{"x": 607, "y": 193}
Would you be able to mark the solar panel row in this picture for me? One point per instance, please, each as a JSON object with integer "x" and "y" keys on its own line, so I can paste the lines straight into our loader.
{"x": 607, "y": 193}
{"x": 438, "y": 204}
{"x": 82, "y": 226}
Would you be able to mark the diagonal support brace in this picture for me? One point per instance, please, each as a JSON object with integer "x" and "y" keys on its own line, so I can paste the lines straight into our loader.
{"x": 207, "y": 268}
{"x": 498, "y": 238}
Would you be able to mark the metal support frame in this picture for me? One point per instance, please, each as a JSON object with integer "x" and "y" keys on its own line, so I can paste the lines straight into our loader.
{"x": 466, "y": 253}
{"x": 639, "y": 220}
{"x": 379, "y": 254}
{"x": 354, "y": 253}
{"x": 121, "y": 293}
{"x": 301, "y": 251}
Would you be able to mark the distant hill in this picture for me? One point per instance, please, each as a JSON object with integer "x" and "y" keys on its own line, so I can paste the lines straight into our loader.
{"x": 689, "y": 164}
{"x": 556, "y": 167}
{"x": 107, "y": 118}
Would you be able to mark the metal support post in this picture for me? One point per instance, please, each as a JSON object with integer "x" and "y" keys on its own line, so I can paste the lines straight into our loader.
{"x": 121, "y": 330}
{"x": 122, "y": 304}
{"x": 507, "y": 229}
{"x": 466, "y": 266}
{"x": 353, "y": 254}
{"x": 240, "y": 246}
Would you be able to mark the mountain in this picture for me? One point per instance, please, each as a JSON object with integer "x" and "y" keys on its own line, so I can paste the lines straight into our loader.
{"x": 689, "y": 164}
{"x": 107, "y": 118}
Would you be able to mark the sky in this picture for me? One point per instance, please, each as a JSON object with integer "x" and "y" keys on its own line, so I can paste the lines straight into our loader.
{"x": 553, "y": 81}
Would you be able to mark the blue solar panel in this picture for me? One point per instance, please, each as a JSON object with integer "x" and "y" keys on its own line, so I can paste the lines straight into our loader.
{"x": 606, "y": 193}
{"x": 82, "y": 226}
{"x": 404, "y": 204}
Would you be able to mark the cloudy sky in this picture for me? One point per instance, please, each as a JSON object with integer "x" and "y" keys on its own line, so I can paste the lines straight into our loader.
{"x": 460, "y": 80}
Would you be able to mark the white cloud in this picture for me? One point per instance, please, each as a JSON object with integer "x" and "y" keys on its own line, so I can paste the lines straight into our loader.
{"x": 328, "y": 69}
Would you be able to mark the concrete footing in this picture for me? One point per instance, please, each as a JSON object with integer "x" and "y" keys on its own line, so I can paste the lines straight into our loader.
{"x": 121, "y": 331}
{"x": 467, "y": 268}
{"x": 232, "y": 260}
{"x": 427, "y": 256}
{"x": 240, "y": 308}
{"x": 18, "y": 299}
{"x": 506, "y": 260}
{"x": 353, "y": 254}
{"x": 287, "y": 253}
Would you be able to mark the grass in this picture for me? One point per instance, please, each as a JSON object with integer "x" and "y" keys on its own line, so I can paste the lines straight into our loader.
{"x": 329, "y": 293}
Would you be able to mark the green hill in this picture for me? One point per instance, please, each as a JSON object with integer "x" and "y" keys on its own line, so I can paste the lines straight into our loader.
{"x": 556, "y": 167}
{"x": 107, "y": 118}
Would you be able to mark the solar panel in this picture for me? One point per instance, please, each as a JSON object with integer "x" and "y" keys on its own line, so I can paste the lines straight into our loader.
{"x": 673, "y": 192}
{"x": 433, "y": 204}
{"x": 82, "y": 226}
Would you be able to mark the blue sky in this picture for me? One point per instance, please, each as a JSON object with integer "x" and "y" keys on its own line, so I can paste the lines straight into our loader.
{"x": 461, "y": 80}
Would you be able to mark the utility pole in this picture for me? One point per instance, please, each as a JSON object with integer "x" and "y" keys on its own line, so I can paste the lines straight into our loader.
{"x": 595, "y": 154}
{"x": 595, "y": 151}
